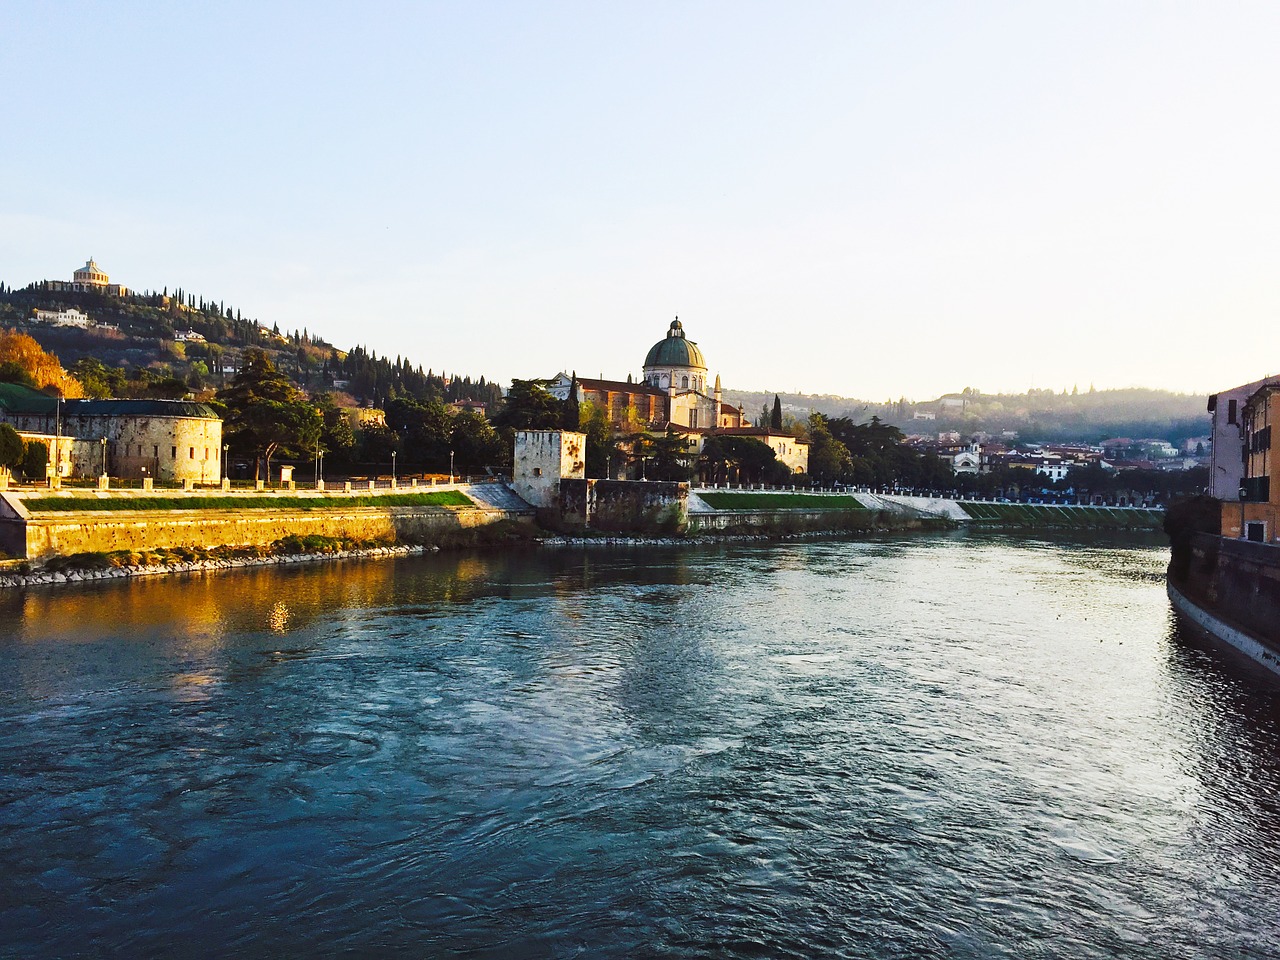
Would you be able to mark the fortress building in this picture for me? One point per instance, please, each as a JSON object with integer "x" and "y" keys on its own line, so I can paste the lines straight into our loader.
{"x": 166, "y": 440}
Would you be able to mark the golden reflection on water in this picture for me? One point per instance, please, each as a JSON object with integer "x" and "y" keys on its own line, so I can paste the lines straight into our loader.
{"x": 278, "y": 617}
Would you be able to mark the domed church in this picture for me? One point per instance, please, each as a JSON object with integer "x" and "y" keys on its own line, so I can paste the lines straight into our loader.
{"x": 672, "y": 391}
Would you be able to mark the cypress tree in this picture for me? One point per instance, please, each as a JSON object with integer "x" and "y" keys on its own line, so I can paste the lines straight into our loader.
{"x": 775, "y": 420}
{"x": 569, "y": 416}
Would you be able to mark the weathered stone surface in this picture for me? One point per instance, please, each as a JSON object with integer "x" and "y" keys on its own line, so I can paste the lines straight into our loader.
{"x": 86, "y": 532}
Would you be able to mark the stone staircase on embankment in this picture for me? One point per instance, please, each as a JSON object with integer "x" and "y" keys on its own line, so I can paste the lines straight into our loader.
{"x": 497, "y": 496}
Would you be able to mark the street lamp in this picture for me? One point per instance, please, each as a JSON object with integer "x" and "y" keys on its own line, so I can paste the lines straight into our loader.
{"x": 451, "y": 466}
{"x": 393, "y": 468}
{"x": 104, "y": 456}
{"x": 57, "y": 443}
{"x": 226, "y": 464}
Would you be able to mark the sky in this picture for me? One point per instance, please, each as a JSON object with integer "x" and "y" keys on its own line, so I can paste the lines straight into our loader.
{"x": 866, "y": 199}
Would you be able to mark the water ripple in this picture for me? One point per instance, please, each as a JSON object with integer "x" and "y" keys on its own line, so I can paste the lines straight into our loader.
{"x": 961, "y": 747}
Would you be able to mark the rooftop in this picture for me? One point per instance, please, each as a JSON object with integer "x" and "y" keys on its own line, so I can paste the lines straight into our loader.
{"x": 675, "y": 350}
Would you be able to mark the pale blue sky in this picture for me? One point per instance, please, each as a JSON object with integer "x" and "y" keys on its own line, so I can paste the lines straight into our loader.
{"x": 866, "y": 199}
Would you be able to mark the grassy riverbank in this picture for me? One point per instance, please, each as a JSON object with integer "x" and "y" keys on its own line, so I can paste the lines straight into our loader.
{"x": 1079, "y": 518}
{"x": 780, "y": 501}
{"x": 439, "y": 498}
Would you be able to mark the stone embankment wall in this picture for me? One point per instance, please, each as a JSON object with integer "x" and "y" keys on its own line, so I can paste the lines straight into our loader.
{"x": 1237, "y": 581}
{"x": 41, "y": 535}
{"x": 799, "y": 521}
{"x": 643, "y": 506}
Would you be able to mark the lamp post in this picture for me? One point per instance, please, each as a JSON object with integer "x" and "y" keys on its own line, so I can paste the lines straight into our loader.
{"x": 104, "y": 456}
{"x": 226, "y": 465}
{"x": 57, "y": 443}
{"x": 450, "y": 466}
{"x": 393, "y": 468}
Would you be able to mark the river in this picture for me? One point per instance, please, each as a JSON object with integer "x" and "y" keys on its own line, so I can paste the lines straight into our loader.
{"x": 950, "y": 746}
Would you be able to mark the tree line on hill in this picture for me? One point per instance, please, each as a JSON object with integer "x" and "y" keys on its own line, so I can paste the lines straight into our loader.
{"x": 1042, "y": 416}
{"x": 143, "y": 348}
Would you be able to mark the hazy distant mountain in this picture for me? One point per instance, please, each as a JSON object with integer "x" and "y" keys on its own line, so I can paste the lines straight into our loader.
{"x": 1037, "y": 415}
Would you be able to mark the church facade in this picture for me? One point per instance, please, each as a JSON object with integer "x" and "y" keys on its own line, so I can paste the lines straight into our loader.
{"x": 672, "y": 391}
{"x": 88, "y": 279}
{"x": 673, "y": 394}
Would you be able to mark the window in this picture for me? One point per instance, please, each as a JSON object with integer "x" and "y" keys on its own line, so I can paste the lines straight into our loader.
{"x": 1256, "y": 532}
{"x": 684, "y": 383}
{"x": 175, "y": 453}
{"x": 155, "y": 452}
{"x": 192, "y": 455}
{"x": 1231, "y": 411}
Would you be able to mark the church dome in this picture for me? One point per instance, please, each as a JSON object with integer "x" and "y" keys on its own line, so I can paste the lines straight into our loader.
{"x": 676, "y": 350}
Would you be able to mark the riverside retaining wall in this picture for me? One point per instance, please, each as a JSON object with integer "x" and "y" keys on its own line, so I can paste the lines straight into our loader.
{"x": 1238, "y": 581}
{"x": 644, "y": 506}
{"x": 40, "y": 535}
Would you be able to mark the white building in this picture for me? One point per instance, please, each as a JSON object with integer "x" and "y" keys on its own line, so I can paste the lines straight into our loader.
{"x": 63, "y": 318}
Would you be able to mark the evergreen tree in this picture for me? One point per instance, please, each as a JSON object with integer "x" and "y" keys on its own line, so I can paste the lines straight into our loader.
{"x": 775, "y": 420}
{"x": 570, "y": 419}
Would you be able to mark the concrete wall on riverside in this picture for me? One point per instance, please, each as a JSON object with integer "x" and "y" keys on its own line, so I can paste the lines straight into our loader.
{"x": 796, "y": 521}
{"x": 52, "y": 534}
{"x": 1238, "y": 581}
{"x": 933, "y": 506}
{"x": 644, "y": 506}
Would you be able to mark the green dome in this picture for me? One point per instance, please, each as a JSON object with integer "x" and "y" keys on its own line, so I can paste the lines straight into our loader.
{"x": 675, "y": 350}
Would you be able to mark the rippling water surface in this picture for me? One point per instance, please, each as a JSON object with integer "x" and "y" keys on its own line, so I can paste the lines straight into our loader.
{"x": 954, "y": 747}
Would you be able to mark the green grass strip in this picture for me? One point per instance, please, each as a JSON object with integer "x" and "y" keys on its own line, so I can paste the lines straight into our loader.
{"x": 1035, "y": 514}
{"x": 781, "y": 501}
{"x": 439, "y": 498}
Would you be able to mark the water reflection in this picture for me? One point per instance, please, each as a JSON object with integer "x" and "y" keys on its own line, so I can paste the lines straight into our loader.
{"x": 968, "y": 746}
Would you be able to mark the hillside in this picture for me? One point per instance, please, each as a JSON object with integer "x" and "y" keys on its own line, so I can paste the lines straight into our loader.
{"x": 154, "y": 332}
{"x": 1037, "y": 415}
{"x": 142, "y": 331}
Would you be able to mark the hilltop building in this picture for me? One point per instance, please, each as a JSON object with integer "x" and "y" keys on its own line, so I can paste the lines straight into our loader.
{"x": 165, "y": 440}
{"x": 88, "y": 279}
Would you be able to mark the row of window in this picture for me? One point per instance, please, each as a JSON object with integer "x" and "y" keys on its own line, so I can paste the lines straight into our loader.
{"x": 1260, "y": 440}
{"x": 155, "y": 451}
{"x": 661, "y": 382}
